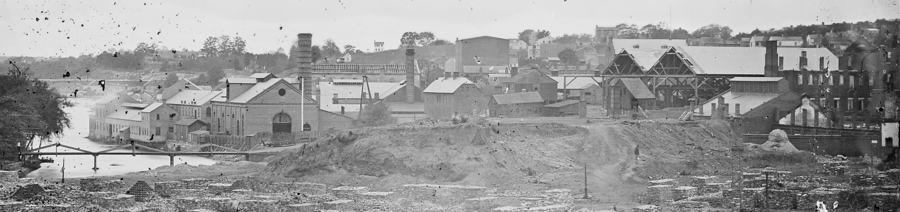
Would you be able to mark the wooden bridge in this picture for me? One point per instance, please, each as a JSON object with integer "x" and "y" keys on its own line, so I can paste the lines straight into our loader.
{"x": 134, "y": 147}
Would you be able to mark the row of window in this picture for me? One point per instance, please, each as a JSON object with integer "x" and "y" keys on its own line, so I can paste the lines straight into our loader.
{"x": 852, "y": 103}
{"x": 811, "y": 79}
{"x": 134, "y": 129}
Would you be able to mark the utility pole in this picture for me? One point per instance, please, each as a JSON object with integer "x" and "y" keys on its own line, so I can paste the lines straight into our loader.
{"x": 585, "y": 182}
{"x": 63, "y": 170}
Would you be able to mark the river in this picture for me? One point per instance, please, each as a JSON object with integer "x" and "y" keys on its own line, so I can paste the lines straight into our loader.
{"x": 81, "y": 165}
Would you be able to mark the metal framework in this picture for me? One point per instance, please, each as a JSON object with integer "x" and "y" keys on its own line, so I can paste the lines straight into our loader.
{"x": 134, "y": 147}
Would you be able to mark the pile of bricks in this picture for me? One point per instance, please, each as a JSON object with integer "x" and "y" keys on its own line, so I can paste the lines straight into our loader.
{"x": 700, "y": 181}
{"x": 690, "y": 205}
{"x": 659, "y": 194}
{"x": 684, "y": 192}
{"x": 752, "y": 197}
{"x": 646, "y": 208}
{"x": 834, "y": 167}
{"x": 828, "y": 196}
{"x": 709, "y": 188}
{"x": 27, "y": 192}
{"x": 89, "y": 184}
{"x": 141, "y": 191}
{"x": 781, "y": 199}
{"x": 884, "y": 200}
{"x": 195, "y": 183}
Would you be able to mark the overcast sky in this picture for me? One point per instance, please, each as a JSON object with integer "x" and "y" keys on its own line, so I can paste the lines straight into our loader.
{"x": 54, "y": 28}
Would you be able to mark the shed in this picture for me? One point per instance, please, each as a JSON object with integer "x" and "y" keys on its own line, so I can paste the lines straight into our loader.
{"x": 629, "y": 94}
{"x": 566, "y": 108}
{"x": 184, "y": 126}
{"x": 522, "y": 104}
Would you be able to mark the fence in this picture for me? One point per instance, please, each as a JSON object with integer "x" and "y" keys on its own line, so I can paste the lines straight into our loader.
{"x": 247, "y": 142}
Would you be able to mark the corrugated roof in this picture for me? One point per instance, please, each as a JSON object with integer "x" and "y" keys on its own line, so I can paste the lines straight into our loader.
{"x": 748, "y": 101}
{"x": 125, "y": 114}
{"x": 562, "y": 104}
{"x": 446, "y": 85}
{"x": 637, "y": 88}
{"x": 756, "y": 79}
{"x": 193, "y": 97}
{"x": 518, "y": 98}
{"x": 575, "y": 83}
{"x": 151, "y": 107}
{"x": 748, "y": 60}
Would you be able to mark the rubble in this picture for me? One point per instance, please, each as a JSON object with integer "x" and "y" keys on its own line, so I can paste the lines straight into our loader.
{"x": 646, "y": 208}
{"x": 683, "y": 192}
{"x": 659, "y": 194}
{"x": 663, "y": 182}
{"x": 141, "y": 191}
{"x": 27, "y": 192}
{"x": 9, "y": 176}
{"x": 217, "y": 188}
{"x": 195, "y": 183}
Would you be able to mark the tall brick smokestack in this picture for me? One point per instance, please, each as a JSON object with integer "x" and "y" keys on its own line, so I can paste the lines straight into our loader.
{"x": 410, "y": 75}
{"x": 304, "y": 44}
{"x": 771, "y": 68}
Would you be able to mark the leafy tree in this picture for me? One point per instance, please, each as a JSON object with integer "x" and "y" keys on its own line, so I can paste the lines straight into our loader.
{"x": 713, "y": 30}
{"x": 215, "y": 74}
{"x": 331, "y": 50}
{"x": 238, "y": 46}
{"x": 210, "y": 46}
{"x": 202, "y": 79}
{"x": 425, "y": 38}
{"x": 755, "y": 32}
{"x": 627, "y": 31}
{"x": 377, "y": 114}
{"x": 680, "y": 34}
{"x": 350, "y": 48}
{"x": 409, "y": 39}
{"x": 440, "y": 42}
{"x": 236, "y": 64}
{"x": 568, "y": 56}
{"x": 542, "y": 34}
{"x": 316, "y": 53}
{"x": 171, "y": 79}
{"x": 146, "y": 49}
{"x": 226, "y": 47}
{"x": 29, "y": 109}
{"x": 525, "y": 34}
{"x": 572, "y": 38}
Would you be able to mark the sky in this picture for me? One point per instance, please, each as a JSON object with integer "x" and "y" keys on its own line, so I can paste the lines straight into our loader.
{"x": 64, "y": 28}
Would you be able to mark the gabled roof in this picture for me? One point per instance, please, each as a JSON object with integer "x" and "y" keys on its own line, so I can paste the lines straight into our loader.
{"x": 562, "y": 104}
{"x": 241, "y": 80}
{"x": 192, "y": 97}
{"x": 126, "y": 114}
{"x": 187, "y": 122}
{"x": 259, "y": 89}
{"x": 748, "y": 101}
{"x": 446, "y": 85}
{"x": 531, "y": 77}
{"x": 645, "y": 58}
{"x": 648, "y": 44}
{"x": 637, "y": 88}
{"x": 120, "y": 95}
{"x": 749, "y": 61}
{"x": 151, "y": 107}
{"x": 518, "y": 98}
{"x": 574, "y": 83}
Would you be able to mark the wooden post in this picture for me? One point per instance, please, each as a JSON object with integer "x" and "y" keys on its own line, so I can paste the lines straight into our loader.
{"x": 95, "y": 163}
{"x": 172, "y": 160}
{"x": 815, "y": 122}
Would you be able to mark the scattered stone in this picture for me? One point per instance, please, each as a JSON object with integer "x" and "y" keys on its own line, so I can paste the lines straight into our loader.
{"x": 27, "y": 192}
{"x": 165, "y": 188}
{"x": 884, "y": 200}
{"x": 646, "y": 208}
{"x": 238, "y": 184}
{"x": 825, "y": 195}
{"x": 305, "y": 206}
{"x": 659, "y": 194}
{"x": 310, "y": 188}
{"x": 376, "y": 195}
{"x": 348, "y": 192}
{"x": 683, "y": 204}
{"x": 195, "y": 183}
{"x": 709, "y": 188}
{"x": 118, "y": 201}
{"x": 699, "y": 181}
{"x": 683, "y": 192}
{"x": 217, "y": 188}
{"x": 334, "y": 205}
{"x": 9, "y": 176}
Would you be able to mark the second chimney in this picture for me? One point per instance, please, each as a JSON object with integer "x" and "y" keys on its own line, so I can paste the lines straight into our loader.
{"x": 771, "y": 59}
{"x": 410, "y": 76}
{"x": 803, "y": 60}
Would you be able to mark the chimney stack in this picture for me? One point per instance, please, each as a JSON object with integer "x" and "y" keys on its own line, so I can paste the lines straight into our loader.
{"x": 304, "y": 44}
{"x": 513, "y": 71}
{"x": 803, "y": 62}
{"x": 822, "y": 63}
{"x": 771, "y": 62}
{"x": 410, "y": 76}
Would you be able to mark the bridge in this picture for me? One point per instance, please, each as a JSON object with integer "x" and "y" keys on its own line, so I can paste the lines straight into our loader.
{"x": 134, "y": 147}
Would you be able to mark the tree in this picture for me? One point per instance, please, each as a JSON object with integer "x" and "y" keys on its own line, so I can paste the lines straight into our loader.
{"x": 377, "y": 114}
{"x": 215, "y": 74}
{"x": 755, "y": 32}
{"x": 331, "y": 50}
{"x": 568, "y": 57}
{"x": 425, "y": 38}
{"x": 146, "y": 49}
{"x": 29, "y": 109}
{"x": 316, "y": 53}
{"x": 236, "y": 64}
{"x": 440, "y": 42}
{"x": 351, "y": 49}
{"x": 409, "y": 39}
{"x": 627, "y": 31}
{"x": 171, "y": 79}
{"x": 572, "y": 38}
{"x": 210, "y": 46}
{"x": 525, "y": 35}
{"x": 239, "y": 45}
{"x": 542, "y": 34}
{"x": 226, "y": 47}
{"x": 713, "y": 30}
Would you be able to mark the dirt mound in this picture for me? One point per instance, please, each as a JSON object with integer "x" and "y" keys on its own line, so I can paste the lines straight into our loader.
{"x": 778, "y": 141}
{"x": 469, "y": 153}
{"x": 669, "y": 148}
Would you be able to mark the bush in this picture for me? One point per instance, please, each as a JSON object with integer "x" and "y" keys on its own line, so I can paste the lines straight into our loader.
{"x": 377, "y": 114}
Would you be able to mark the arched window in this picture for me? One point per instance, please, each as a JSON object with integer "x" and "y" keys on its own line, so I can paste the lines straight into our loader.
{"x": 281, "y": 123}
{"x": 307, "y": 127}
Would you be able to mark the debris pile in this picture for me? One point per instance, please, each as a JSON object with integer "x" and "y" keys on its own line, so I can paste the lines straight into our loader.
{"x": 27, "y": 192}
{"x": 141, "y": 191}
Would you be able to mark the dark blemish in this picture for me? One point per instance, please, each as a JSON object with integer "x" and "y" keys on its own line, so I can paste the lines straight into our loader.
{"x": 102, "y": 84}
{"x": 133, "y": 28}
{"x": 37, "y": 19}
{"x": 280, "y": 27}
{"x": 46, "y": 19}
{"x": 82, "y": 25}
{"x": 66, "y": 75}
{"x": 157, "y": 33}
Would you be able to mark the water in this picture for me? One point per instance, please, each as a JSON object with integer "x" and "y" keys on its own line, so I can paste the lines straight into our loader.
{"x": 81, "y": 165}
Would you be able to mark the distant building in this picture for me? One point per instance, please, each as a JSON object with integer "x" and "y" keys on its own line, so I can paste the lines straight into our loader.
{"x": 448, "y": 96}
{"x": 532, "y": 81}
{"x": 580, "y": 88}
{"x": 629, "y": 95}
{"x": 483, "y": 55}
{"x": 516, "y": 44}
{"x": 759, "y": 41}
{"x": 813, "y": 40}
{"x": 754, "y": 99}
{"x": 379, "y": 46}
{"x": 545, "y": 40}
